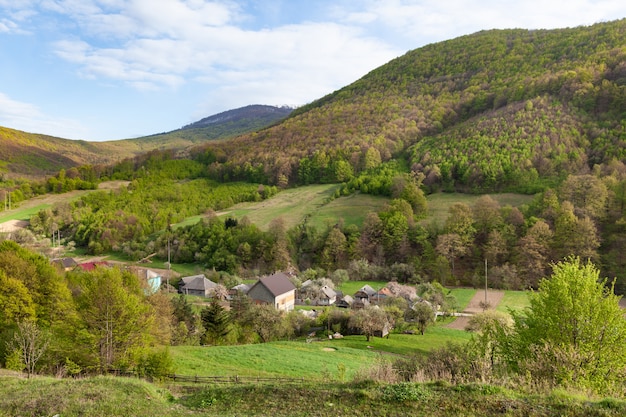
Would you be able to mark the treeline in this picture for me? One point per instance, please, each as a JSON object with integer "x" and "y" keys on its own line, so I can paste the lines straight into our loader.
{"x": 582, "y": 215}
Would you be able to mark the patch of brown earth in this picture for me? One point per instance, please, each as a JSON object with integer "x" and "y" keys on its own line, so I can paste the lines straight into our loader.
{"x": 494, "y": 297}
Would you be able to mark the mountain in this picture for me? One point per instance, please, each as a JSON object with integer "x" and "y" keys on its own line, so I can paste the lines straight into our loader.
{"x": 498, "y": 109}
{"x": 246, "y": 119}
{"x": 35, "y": 155}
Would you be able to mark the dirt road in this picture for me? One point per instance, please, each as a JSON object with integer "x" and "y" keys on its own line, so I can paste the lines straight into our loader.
{"x": 494, "y": 297}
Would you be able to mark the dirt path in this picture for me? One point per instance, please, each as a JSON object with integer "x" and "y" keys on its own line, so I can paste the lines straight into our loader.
{"x": 494, "y": 297}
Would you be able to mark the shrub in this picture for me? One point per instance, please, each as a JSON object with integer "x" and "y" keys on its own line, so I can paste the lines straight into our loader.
{"x": 404, "y": 391}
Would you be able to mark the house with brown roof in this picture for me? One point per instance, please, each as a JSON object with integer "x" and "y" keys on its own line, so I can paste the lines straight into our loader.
{"x": 275, "y": 289}
{"x": 66, "y": 264}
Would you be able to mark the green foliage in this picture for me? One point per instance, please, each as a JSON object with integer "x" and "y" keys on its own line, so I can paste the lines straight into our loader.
{"x": 155, "y": 365}
{"x": 405, "y": 391}
{"x": 116, "y": 317}
{"x": 14, "y": 361}
{"x": 572, "y": 334}
{"x": 216, "y": 323}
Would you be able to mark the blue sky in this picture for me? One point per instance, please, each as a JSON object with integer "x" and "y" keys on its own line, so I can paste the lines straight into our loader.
{"x": 115, "y": 69}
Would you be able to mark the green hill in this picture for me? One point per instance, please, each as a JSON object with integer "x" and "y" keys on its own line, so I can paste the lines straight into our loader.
{"x": 499, "y": 109}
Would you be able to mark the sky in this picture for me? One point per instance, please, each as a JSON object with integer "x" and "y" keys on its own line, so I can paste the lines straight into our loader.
{"x": 115, "y": 69}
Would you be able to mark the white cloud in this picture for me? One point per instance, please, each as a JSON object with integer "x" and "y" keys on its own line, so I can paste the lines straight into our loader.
{"x": 28, "y": 117}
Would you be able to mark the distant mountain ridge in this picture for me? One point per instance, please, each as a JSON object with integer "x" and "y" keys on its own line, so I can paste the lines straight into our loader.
{"x": 31, "y": 155}
{"x": 254, "y": 114}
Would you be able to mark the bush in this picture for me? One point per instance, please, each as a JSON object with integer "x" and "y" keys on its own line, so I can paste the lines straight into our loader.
{"x": 404, "y": 391}
{"x": 155, "y": 365}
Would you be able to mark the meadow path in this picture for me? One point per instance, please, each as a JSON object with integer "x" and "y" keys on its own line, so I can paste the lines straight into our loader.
{"x": 494, "y": 297}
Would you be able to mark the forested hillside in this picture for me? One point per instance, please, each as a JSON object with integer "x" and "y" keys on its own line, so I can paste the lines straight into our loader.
{"x": 494, "y": 110}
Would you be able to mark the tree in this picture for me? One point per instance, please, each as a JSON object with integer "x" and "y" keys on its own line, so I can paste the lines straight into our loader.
{"x": 333, "y": 255}
{"x": 450, "y": 246}
{"x": 572, "y": 333}
{"x": 371, "y": 320}
{"x": 116, "y": 315}
{"x": 422, "y": 314}
{"x": 216, "y": 322}
{"x": 533, "y": 252}
{"x": 587, "y": 193}
{"x": 267, "y": 322}
{"x": 31, "y": 342}
{"x": 461, "y": 222}
{"x": 15, "y": 301}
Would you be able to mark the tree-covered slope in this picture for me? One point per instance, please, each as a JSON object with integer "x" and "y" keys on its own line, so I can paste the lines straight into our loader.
{"x": 577, "y": 75}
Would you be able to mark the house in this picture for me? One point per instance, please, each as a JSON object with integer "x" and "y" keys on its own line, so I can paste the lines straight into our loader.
{"x": 90, "y": 266}
{"x": 196, "y": 285}
{"x": 66, "y": 264}
{"x": 327, "y": 296}
{"x": 381, "y": 295}
{"x": 237, "y": 289}
{"x": 345, "y": 302}
{"x": 276, "y": 290}
{"x": 311, "y": 293}
{"x": 364, "y": 294}
{"x": 151, "y": 279}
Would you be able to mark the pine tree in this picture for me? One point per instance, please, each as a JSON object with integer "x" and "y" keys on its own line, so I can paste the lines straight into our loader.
{"x": 216, "y": 322}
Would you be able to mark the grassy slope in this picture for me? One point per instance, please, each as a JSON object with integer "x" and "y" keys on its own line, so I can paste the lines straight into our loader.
{"x": 107, "y": 396}
{"x": 311, "y": 202}
{"x": 439, "y": 203}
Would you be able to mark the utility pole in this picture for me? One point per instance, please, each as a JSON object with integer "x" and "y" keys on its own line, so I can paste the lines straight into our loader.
{"x": 169, "y": 264}
{"x": 485, "y": 281}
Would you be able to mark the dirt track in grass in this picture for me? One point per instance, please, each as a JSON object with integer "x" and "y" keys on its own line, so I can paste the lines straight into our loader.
{"x": 494, "y": 297}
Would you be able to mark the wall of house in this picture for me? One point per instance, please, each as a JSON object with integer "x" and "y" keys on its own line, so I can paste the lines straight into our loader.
{"x": 286, "y": 301}
{"x": 261, "y": 295}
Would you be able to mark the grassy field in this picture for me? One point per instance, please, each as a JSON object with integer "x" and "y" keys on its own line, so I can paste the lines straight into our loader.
{"x": 514, "y": 300}
{"x": 27, "y": 208}
{"x": 319, "y": 360}
{"x": 463, "y": 296}
{"x": 439, "y": 203}
{"x": 313, "y": 203}
{"x": 314, "y": 361}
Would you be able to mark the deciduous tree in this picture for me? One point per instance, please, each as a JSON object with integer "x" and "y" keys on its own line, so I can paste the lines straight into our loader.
{"x": 573, "y": 332}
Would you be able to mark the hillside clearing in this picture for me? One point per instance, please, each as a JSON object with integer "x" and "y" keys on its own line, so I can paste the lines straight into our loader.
{"x": 313, "y": 204}
{"x": 439, "y": 203}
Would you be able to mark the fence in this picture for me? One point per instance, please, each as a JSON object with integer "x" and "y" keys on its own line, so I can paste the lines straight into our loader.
{"x": 236, "y": 379}
{"x": 233, "y": 379}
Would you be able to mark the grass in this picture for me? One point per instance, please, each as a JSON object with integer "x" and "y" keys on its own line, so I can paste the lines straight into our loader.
{"x": 514, "y": 300}
{"x": 319, "y": 360}
{"x": 293, "y": 206}
{"x": 312, "y": 203}
{"x": 110, "y": 396}
{"x": 463, "y": 296}
{"x": 96, "y": 396}
{"x": 315, "y": 361}
{"x": 439, "y": 203}
{"x": 406, "y": 344}
{"x": 352, "y": 209}
{"x": 23, "y": 214}
{"x": 350, "y": 287}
